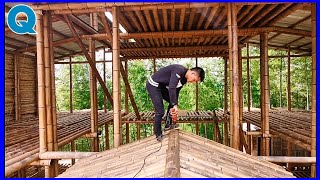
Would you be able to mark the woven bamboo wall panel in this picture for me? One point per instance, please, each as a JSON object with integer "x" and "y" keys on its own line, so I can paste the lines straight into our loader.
{"x": 9, "y": 87}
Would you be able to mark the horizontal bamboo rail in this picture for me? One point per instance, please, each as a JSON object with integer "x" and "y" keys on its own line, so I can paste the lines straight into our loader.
{"x": 20, "y": 164}
{"x": 288, "y": 159}
{"x": 41, "y": 163}
{"x": 65, "y": 155}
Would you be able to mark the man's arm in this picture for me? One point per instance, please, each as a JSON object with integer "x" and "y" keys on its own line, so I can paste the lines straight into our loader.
{"x": 174, "y": 80}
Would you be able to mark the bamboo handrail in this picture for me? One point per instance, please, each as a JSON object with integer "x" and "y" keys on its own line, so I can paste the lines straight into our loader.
{"x": 65, "y": 155}
{"x": 288, "y": 159}
{"x": 20, "y": 164}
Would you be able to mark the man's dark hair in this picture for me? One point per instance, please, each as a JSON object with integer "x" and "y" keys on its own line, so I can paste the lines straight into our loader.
{"x": 200, "y": 72}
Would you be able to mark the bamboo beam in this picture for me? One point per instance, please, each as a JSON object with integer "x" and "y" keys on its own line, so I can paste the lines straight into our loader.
{"x": 17, "y": 94}
{"x": 128, "y": 89}
{"x": 106, "y": 25}
{"x": 65, "y": 155}
{"x": 285, "y": 159}
{"x": 184, "y": 48}
{"x": 233, "y": 55}
{"x": 314, "y": 89}
{"x": 284, "y": 47}
{"x": 276, "y": 11}
{"x": 294, "y": 7}
{"x": 172, "y": 167}
{"x": 93, "y": 87}
{"x": 174, "y": 56}
{"x": 149, "y": 20}
{"x": 278, "y": 56}
{"x": 116, "y": 89}
{"x": 181, "y": 19}
{"x": 84, "y": 51}
{"x": 289, "y": 81}
{"x": 70, "y": 85}
{"x": 173, "y": 19}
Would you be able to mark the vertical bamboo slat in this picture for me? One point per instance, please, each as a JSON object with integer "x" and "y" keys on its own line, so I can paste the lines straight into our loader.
{"x": 116, "y": 78}
{"x": 93, "y": 88}
{"x": 248, "y": 78}
{"x": 17, "y": 95}
{"x": 314, "y": 89}
{"x": 197, "y": 90}
{"x": 289, "y": 81}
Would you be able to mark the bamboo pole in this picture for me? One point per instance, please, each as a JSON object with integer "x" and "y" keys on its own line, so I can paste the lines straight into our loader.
{"x": 126, "y": 97}
{"x": 18, "y": 165}
{"x": 93, "y": 87}
{"x": 116, "y": 78}
{"x": 289, "y": 153}
{"x": 17, "y": 94}
{"x": 225, "y": 109}
{"x": 73, "y": 149}
{"x": 314, "y": 89}
{"x": 65, "y": 155}
{"x": 70, "y": 85}
{"x": 266, "y": 95}
{"x": 285, "y": 159}
{"x": 249, "y": 137}
{"x": 289, "y": 82}
{"x": 172, "y": 167}
{"x": 41, "y": 86}
{"x": 240, "y": 98}
{"x": 233, "y": 51}
{"x": 104, "y": 79}
{"x": 197, "y": 90}
{"x": 138, "y": 131}
{"x": 262, "y": 79}
{"x": 248, "y": 78}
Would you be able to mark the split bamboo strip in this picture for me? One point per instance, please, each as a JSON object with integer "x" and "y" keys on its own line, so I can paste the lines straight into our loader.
{"x": 93, "y": 87}
{"x": 116, "y": 89}
{"x": 314, "y": 89}
{"x": 84, "y": 51}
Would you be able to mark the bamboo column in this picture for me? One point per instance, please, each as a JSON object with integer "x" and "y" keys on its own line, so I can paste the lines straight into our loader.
{"x": 289, "y": 81}
{"x": 104, "y": 80}
{"x": 73, "y": 149}
{"x": 53, "y": 99}
{"x": 233, "y": 56}
{"x": 225, "y": 124}
{"x": 249, "y": 137}
{"x": 240, "y": 97}
{"x": 154, "y": 65}
{"x": 314, "y": 89}
{"x": 70, "y": 85}
{"x": 280, "y": 74}
{"x": 93, "y": 87}
{"x": 41, "y": 88}
{"x": 116, "y": 78}
{"x": 289, "y": 153}
{"x": 17, "y": 94}
{"x": 248, "y": 78}
{"x": 126, "y": 102}
{"x": 266, "y": 99}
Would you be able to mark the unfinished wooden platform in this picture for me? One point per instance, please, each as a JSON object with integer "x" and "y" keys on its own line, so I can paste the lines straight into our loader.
{"x": 184, "y": 117}
{"x": 294, "y": 126}
{"x": 195, "y": 156}
{"x": 23, "y": 137}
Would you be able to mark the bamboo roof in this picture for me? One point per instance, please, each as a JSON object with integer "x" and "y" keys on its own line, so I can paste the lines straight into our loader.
{"x": 194, "y": 25}
{"x": 194, "y": 156}
{"x": 294, "y": 126}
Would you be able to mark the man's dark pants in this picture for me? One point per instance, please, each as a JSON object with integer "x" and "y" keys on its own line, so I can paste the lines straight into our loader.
{"x": 157, "y": 96}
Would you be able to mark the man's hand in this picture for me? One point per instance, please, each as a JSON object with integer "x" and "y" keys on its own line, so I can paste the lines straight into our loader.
{"x": 174, "y": 112}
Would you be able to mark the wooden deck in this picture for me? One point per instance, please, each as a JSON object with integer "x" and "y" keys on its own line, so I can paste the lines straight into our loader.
{"x": 197, "y": 157}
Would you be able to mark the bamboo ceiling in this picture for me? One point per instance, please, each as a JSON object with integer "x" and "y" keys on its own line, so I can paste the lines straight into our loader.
{"x": 195, "y": 156}
{"x": 164, "y": 30}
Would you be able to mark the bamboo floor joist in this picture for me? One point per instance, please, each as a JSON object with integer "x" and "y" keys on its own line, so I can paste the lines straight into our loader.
{"x": 292, "y": 126}
{"x": 196, "y": 156}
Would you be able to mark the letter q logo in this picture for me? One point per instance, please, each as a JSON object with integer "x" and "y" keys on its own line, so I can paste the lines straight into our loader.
{"x": 22, "y": 26}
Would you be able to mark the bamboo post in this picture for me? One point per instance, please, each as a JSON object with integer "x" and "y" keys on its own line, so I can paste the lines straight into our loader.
{"x": 197, "y": 90}
{"x": 249, "y": 137}
{"x": 106, "y": 130}
{"x": 314, "y": 89}
{"x": 233, "y": 56}
{"x": 248, "y": 78}
{"x": 138, "y": 131}
{"x": 93, "y": 87}
{"x": 154, "y": 65}
{"x": 266, "y": 99}
{"x": 70, "y": 85}
{"x": 197, "y": 128}
{"x": 289, "y": 153}
{"x": 126, "y": 103}
{"x": 73, "y": 149}
{"x": 116, "y": 78}
{"x": 17, "y": 95}
{"x": 280, "y": 74}
{"x": 240, "y": 97}
{"x": 41, "y": 87}
{"x": 53, "y": 98}
{"x": 289, "y": 81}
{"x": 225, "y": 124}
{"x": 104, "y": 80}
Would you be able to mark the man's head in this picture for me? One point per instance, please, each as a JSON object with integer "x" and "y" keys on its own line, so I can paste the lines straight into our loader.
{"x": 195, "y": 74}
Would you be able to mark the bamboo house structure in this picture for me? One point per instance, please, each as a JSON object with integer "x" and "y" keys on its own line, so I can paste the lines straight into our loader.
{"x": 34, "y": 130}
